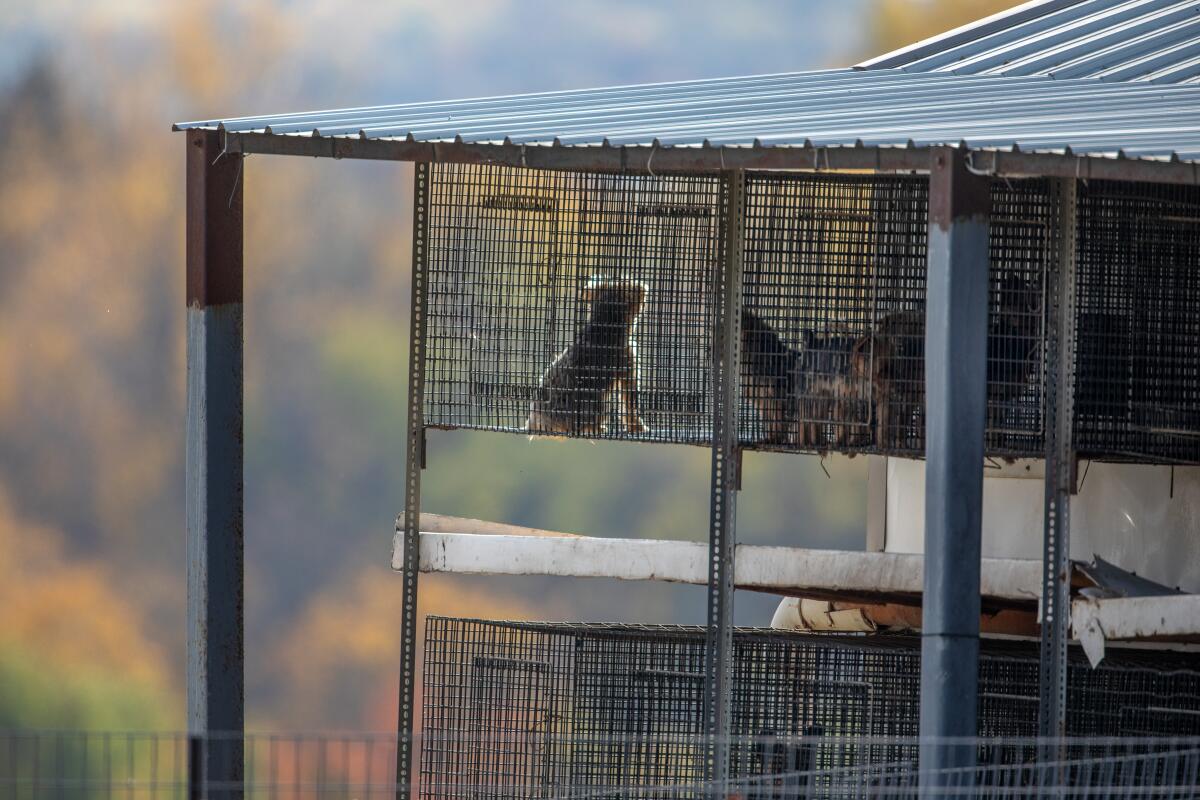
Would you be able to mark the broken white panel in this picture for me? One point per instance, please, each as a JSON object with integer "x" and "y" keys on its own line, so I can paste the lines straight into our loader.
{"x": 804, "y": 614}
{"x": 1141, "y": 518}
{"x": 1095, "y": 622}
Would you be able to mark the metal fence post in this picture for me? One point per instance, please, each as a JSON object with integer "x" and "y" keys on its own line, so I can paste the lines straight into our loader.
{"x": 414, "y": 463}
{"x": 195, "y": 775}
{"x": 1060, "y": 470}
{"x": 213, "y": 463}
{"x": 722, "y": 532}
{"x": 955, "y": 389}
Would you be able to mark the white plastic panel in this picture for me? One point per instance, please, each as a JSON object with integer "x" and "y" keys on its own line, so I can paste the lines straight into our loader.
{"x": 1127, "y": 514}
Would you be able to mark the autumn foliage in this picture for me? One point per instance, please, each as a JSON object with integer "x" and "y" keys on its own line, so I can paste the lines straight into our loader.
{"x": 92, "y": 592}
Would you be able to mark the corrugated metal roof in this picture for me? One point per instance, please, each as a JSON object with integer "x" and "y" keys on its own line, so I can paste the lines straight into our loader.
{"x": 830, "y": 108}
{"x": 1113, "y": 40}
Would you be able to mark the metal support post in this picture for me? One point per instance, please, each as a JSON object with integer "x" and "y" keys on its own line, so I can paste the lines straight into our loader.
{"x": 1060, "y": 470}
{"x": 414, "y": 463}
{"x": 213, "y": 462}
{"x": 722, "y": 533}
{"x": 955, "y": 391}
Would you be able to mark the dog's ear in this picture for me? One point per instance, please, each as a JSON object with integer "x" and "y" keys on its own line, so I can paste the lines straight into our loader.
{"x": 592, "y": 289}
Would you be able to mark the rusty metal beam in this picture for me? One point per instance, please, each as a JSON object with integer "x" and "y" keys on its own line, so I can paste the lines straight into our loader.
{"x": 956, "y": 310}
{"x": 215, "y": 647}
{"x": 713, "y": 160}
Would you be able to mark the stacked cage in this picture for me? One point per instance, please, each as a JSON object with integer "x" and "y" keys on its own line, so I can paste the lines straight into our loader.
{"x": 522, "y": 710}
{"x": 571, "y": 304}
{"x": 582, "y": 305}
{"x": 833, "y": 323}
{"x": 1137, "y": 392}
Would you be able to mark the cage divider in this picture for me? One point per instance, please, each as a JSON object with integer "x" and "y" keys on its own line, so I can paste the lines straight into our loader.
{"x": 719, "y": 662}
{"x": 413, "y": 464}
{"x": 1060, "y": 468}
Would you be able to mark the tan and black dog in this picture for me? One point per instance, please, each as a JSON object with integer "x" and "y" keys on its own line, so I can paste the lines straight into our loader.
{"x": 573, "y": 396}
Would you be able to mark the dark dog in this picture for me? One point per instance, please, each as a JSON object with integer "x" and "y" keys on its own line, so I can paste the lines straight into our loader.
{"x": 770, "y": 372}
{"x": 891, "y": 361}
{"x": 573, "y": 397}
{"x": 892, "y": 358}
{"x": 1014, "y": 338}
{"x": 831, "y": 392}
{"x": 796, "y": 392}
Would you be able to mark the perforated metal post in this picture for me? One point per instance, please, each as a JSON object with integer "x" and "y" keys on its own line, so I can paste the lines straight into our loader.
{"x": 955, "y": 389}
{"x": 414, "y": 462}
{"x": 1060, "y": 470}
{"x": 213, "y": 465}
{"x": 722, "y": 532}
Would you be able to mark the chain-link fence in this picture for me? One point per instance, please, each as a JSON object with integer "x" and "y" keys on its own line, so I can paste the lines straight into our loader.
{"x": 147, "y": 766}
{"x": 152, "y": 765}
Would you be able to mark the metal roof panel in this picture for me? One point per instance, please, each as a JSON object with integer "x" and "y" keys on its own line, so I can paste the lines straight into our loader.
{"x": 832, "y": 108}
{"x": 1110, "y": 40}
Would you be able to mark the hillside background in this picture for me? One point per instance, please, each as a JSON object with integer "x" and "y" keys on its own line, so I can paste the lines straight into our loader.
{"x": 92, "y": 350}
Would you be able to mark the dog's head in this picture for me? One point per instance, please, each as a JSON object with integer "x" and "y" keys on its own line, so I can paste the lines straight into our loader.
{"x": 615, "y": 299}
{"x": 867, "y": 355}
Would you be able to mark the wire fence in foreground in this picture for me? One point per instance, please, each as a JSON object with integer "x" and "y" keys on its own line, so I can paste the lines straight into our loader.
{"x": 74, "y": 764}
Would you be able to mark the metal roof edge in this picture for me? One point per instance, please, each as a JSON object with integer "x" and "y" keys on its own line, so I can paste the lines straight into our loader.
{"x": 965, "y": 33}
{"x": 999, "y": 162}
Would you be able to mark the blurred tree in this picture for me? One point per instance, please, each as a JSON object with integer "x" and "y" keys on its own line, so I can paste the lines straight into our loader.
{"x": 92, "y": 365}
{"x": 337, "y": 665}
{"x": 74, "y": 650}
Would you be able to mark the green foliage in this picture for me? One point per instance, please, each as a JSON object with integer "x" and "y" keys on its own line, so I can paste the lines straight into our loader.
{"x": 37, "y": 694}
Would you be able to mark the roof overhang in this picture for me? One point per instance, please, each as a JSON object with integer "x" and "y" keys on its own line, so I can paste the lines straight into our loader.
{"x": 653, "y": 159}
{"x": 884, "y": 120}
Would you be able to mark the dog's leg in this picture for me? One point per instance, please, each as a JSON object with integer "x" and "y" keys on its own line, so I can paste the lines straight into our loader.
{"x": 883, "y": 426}
{"x": 627, "y": 386}
{"x": 777, "y": 429}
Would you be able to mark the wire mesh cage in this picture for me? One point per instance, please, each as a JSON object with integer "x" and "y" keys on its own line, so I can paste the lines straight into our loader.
{"x": 582, "y": 304}
{"x": 525, "y": 709}
{"x": 833, "y": 326}
{"x": 1138, "y": 361}
{"x": 571, "y": 304}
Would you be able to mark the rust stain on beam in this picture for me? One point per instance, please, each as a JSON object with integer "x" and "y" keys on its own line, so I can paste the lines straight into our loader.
{"x": 214, "y": 221}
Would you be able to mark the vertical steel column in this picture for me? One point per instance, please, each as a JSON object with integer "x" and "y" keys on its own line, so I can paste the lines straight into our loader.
{"x": 1060, "y": 470}
{"x": 414, "y": 463}
{"x": 955, "y": 391}
{"x": 722, "y": 532}
{"x": 213, "y": 464}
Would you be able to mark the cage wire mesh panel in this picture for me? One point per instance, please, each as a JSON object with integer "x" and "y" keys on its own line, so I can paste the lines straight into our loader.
{"x": 519, "y": 710}
{"x": 1137, "y": 393}
{"x": 571, "y": 304}
{"x": 581, "y": 304}
{"x": 833, "y": 327}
